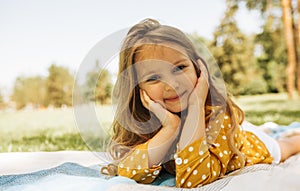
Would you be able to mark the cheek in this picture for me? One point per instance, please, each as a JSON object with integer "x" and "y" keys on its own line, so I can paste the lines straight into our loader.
{"x": 191, "y": 81}
{"x": 154, "y": 92}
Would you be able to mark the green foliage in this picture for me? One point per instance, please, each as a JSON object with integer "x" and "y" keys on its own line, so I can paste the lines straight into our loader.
{"x": 260, "y": 5}
{"x": 234, "y": 53}
{"x": 56, "y": 89}
{"x": 253, "y": 64}
{"x": 272, "y": 56}
{"x": 59, "y": 86}
{"x": 98, "y": 85}
{"x": 29, "y": 90}
{"x": 272, "y": 59}
{"x": 254, "y": 86}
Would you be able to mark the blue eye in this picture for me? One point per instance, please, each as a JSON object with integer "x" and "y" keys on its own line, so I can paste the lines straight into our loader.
{"x": 153, "y": 78}
{"x": 179, "y": 68}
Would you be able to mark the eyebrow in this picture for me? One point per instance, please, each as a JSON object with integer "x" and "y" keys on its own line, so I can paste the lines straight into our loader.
{"x": 178, "y": 61}
{"x": 147, "y": 74}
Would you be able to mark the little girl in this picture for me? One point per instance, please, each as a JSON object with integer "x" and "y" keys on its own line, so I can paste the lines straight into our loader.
{"x": 171, "y": 116}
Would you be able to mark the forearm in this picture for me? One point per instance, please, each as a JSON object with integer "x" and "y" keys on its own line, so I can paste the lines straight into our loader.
{"x": 194, "y": 127}
{"x": 159, "y": 145}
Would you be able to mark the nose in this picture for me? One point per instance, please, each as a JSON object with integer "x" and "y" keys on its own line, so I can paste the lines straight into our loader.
{"x": 171, "y": 84}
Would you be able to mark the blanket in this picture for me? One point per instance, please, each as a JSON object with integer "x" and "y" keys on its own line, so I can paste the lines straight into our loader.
{"x": 74, "y": 176}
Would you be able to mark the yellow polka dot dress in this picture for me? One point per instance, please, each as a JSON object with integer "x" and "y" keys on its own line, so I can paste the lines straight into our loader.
{"x": 203, "y": 161}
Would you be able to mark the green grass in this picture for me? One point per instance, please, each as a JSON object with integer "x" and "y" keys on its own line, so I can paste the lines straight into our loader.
{"x": 54, "y": 130}
{"x": 270, "y": 108}
{"x": 48, "y": 130}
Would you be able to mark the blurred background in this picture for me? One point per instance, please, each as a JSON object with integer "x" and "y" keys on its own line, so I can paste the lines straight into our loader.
{"x": 255, "y": 42}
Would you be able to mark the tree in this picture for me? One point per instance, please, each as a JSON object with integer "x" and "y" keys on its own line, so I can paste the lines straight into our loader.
{"x": 59, "y": 86}
{"x": 298, "y": 48}
{"x": 29, "y": 90}
{"x": 98, "y": 85}
{"x": 266, "y": 7}
{"x": 290, "y": 40}
{"x": 233, "y": 52}
{"x": 272, "y": 53}
{"x": 104, "y": 87}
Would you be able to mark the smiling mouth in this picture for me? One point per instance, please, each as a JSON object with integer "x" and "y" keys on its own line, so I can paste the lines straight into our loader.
{"x": 174, "y": 99}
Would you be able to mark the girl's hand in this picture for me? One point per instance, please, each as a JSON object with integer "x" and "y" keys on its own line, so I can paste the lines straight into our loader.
{"x": 166, "y": 118}
{"x": 194, "y": 126}
{"x": 199, "y": 94}
{"x": 159, "y": 145}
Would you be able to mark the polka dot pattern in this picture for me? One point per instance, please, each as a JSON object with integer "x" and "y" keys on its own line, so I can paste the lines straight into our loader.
{"x": 135, "y": 166}
{"x": 204, "y": 160}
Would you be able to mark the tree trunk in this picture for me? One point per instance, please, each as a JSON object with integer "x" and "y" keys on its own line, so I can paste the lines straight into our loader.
{"x": 298, "y": 46}
{"x": 291, "y": 53}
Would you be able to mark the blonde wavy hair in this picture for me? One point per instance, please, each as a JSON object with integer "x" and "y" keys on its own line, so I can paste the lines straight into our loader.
{"x": 132, "y": 118}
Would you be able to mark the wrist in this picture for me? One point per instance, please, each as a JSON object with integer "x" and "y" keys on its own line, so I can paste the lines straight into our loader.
{"x": 195, "y": 110}
{"x": 172, "y": 121}
{"x": 172, "y": 127}
{"x": 170, "y": 132}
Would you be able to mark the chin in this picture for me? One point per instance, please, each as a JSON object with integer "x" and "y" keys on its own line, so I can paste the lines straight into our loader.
{"x": 177, "y": 109}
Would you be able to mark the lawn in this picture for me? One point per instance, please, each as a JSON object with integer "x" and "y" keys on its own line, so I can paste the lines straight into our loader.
{"x": 39, "y": 130}
{"x": 55, "y": 129}
{"x": 270, "y": 107}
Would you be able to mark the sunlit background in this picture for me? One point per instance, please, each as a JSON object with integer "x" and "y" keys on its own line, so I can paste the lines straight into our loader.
{"x": 34, "y": 34}
{"x": 43, "y": 43}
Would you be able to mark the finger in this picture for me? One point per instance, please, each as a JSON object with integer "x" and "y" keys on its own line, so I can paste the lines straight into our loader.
{"x": 152, "y": 105}
{"x": 159, "y": 111}
{"x": 149, "y": 103}
{"x": 145, "y": 99}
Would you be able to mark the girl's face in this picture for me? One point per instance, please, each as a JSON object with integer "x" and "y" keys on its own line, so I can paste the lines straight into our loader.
{"x": 167, "y": 75}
